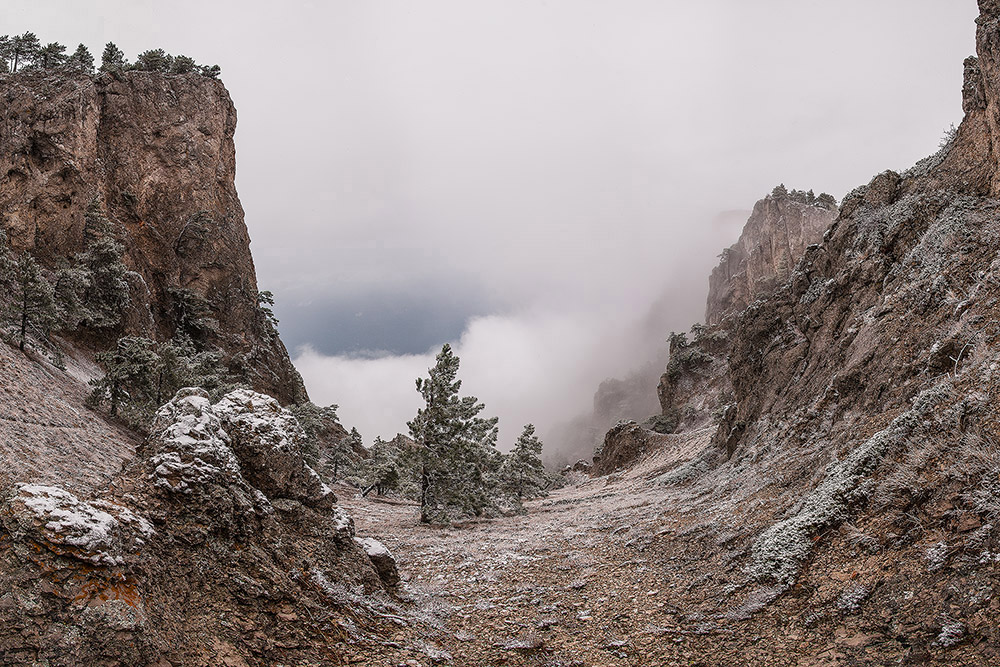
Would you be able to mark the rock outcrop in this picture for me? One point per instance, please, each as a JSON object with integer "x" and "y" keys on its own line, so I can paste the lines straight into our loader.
{"x": 624, "y": 445}
{"x": 695, "y": 391}
{"x": 182, "y": 559}
{"x": 773, "y": 239}
{"x": 157, "y": 151}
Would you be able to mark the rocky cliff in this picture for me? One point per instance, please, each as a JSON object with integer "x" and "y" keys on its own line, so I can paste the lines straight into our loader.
{"x": 695, "y": 388}
{"x": 216, "y": 545}
{"x": 850, "y": 420}
{"x": 773, "y": 239}
{"x": 157, "y": 152}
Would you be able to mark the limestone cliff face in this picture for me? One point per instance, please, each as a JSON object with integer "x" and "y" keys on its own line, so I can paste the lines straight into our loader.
{"x": 157, "y": 150}
{"x": 773, "y": 240}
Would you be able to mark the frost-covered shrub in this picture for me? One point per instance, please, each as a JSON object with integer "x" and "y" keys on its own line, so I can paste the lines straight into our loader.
{"x": 778, "y": 551}
{"x": 936, "y": 555}
{"x": 951, "y": 634}
{"x": 851, "y": 599}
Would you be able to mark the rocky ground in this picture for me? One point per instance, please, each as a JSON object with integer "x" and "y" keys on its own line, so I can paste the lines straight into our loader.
{"x": 623, "y": 570}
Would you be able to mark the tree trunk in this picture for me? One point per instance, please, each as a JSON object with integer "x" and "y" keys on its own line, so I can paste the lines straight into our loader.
{"x": 425, "y": 483}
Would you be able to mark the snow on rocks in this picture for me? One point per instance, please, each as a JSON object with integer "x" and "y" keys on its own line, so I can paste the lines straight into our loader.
{"x": 97, "y": 532}
{"x": 267, "y": 439}
{"x": 244, "y": 438}
{"x": 381, "y": 559}
{"x": 193, "y": 449}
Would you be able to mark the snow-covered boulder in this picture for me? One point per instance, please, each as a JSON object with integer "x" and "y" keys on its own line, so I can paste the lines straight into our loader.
{"x": 268, "y": 440}
{"x": 381, "y": 559}
{"x": 192, "y": 448}
{"x": 97, "y": 532}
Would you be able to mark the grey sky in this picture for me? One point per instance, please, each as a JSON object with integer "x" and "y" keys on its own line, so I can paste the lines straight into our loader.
{"x": 409, "y": 166}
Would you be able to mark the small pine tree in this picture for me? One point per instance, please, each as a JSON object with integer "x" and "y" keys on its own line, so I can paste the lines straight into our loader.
{"x": 183, "y": 65}
{"x": 210, "y": 71}
{"x": 180, "y": 364}
{"x": 779, "y": 191}
{"x": 318, "y": 423}
{"x": 192, "y": 315}
{"x": 113, "y": 59}
{"x": 381, "y": 470}
{"x": 81, "y": 60}
{"x": 6, "y": 53}
{"x": 31, "y": 306}
{"x": 826, "y": 201}
{"x": 265, "y": 304}
{"x": 130, "y": 370}
{"x": 455, "y": 444}
{"x": 72, "y": 282}
{"x": 51, "y": 55}
{"x": 523, "y": 475}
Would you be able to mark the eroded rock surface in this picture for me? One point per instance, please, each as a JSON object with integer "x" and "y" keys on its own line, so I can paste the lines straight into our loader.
{"x": 157, "y": 151}
{"x": 183, "y": 559}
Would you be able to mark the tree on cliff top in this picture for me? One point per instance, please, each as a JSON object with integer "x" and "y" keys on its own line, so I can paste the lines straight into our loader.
{"x": 51, "y": 55}
{"x": 154, "y": 60}
{"x": 455, "y": 445}
{"x": 113, "y": 59}
{"x": 18, "y": 51}
{"x": 81, "y": 60}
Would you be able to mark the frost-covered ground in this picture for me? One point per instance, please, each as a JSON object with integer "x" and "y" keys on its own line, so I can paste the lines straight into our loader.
{"x": 655, "y": 566}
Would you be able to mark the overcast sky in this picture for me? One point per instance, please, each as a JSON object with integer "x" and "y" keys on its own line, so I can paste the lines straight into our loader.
{"x": 525, "y": 178}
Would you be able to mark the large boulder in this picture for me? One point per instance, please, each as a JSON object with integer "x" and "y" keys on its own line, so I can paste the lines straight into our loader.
{"x": 268, "y": 440}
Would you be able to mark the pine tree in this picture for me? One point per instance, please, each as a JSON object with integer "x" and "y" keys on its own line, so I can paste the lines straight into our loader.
{"x": 6, "y": 53}
{"x": 827, "y": 201}
{"x": 31, "y": 305}
{"x": 23, "y": 50}
{"x": 51, "y": 55}
{"x": 192, "y": 314}
{"x": 72, "y": 282}
{"x": 318, "y": 424}
{"x": 381, "y": 470}
{"x": 154, "y": 60}
{"x": 265, "y": 305}
{"x": 107, "y": 295}
{"x": 183, "y": 65}
{"x": 210, "y": 71}
{"x": 113, "y": 59}
{"x": 130, "y": 370}
{"x": 82, "y": 60}
{"x": 455, "y": 444}
{"x": 523, "y": 475}
{"x": 180, "y": 364}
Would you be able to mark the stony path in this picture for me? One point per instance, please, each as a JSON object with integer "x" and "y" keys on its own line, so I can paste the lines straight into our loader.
{"x": 582, "y": 579}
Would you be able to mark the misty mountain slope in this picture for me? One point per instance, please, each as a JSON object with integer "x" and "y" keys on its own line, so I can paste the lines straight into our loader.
{"x": 852, "y": 480}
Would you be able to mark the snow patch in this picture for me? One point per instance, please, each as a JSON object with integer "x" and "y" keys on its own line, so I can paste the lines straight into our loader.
{"x": 372, "y": 547}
